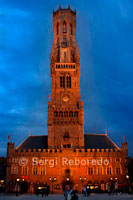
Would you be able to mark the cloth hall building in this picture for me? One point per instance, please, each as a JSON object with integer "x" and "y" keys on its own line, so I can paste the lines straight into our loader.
{"x": 66, "y": 155}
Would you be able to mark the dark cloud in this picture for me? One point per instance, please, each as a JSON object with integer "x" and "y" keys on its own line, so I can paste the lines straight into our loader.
{"x": 104, "y": 34}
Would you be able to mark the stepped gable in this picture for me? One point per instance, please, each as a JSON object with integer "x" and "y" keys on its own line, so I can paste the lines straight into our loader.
{"x": 34, "y": 142}
{"x": 99, "y": 141}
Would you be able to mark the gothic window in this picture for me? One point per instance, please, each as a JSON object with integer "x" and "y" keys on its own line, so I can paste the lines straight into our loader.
{"x": 62, "y": 81}
{"x": 65, "y": 114}
{"x": 60, "y": 114}
{"x": 76, "y": 114}
{"x": 24, "y": 170}
{"x": 118, "y": 170}
{"x": 68, "y": 79}
{"x": 58, "y": 55}
{"x": 64, "y": 56}
{"x": 56, "y": 114}
{"x": 34, "y": 170}
{"x": 90, "y": 170}
{"x": 42, "y": 171}
{"x": 58, "y": 42}
{"x": 70, "y": 114}
{"x": 71, "y": 29}
{"x": 57, "y": 28}
{"x": 64, "y": 27}
{"x": 99, "y": 171}
{"x": 14, "y": 170}
{"x": 109, "y": 171}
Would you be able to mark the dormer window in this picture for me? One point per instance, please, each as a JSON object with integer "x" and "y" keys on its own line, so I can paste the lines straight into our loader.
{"x": 64, "y": 27}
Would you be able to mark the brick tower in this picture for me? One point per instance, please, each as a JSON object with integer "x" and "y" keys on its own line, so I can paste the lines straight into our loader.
{"x": 65, "y": 110}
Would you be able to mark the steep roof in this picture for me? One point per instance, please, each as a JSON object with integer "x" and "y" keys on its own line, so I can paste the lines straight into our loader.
{"x": 34, "y": 142}
{"x": 99, "y": 141}
{"x": 92, "y": 141}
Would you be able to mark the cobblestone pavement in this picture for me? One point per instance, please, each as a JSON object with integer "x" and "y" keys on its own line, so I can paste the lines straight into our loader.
{"x": 61, "y": 197}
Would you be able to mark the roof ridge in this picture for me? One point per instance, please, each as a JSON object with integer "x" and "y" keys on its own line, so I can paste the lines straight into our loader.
{"x": 113, "y": 142}
{"x": 95, "y": 134}
{"x": 22, "y": 142}
{"x": 37, "y": 135}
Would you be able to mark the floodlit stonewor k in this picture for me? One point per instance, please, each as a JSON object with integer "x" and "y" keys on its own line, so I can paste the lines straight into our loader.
{"x": 66, "y": 154}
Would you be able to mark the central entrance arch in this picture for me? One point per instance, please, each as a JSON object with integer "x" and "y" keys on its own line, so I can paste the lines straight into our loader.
{"x": 66, "y": 183}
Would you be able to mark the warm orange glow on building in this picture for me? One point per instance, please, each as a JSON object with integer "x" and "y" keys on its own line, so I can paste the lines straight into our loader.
{"x": 66, "y": 155}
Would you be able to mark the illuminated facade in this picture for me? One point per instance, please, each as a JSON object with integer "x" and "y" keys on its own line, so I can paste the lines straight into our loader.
{"x": 66, "y": 155}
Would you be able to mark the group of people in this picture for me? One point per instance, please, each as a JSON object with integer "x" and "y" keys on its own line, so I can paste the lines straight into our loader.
{"x": 70, "y": 194}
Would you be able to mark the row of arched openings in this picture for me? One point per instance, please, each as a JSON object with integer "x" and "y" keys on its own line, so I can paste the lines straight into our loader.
{"x": 66, "y": 114}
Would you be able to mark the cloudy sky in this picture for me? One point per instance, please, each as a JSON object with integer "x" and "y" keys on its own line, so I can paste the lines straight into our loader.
{"x": 105, "y": 37}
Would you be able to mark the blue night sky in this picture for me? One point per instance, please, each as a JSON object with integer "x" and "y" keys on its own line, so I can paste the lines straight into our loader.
{"x": 105, "y": 37}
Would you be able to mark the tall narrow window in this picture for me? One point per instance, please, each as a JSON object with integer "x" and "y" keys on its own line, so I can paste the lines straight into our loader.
{"x": 64, "y": 27}
{"x": 14, "y": 170}
{"x": 42, "y": 171}
{"x": 71, "y": 29}
{"x": 90, "y": 170}
{"x": 58, "y": 54}
{"x": 76, "y": 114}
{"x": 34, "y": 170}
{"x": 70, "y": 114}
{"x": 109, "y": 171}
{"x": 57, "y": 28}
{"x": 64, "y": 56}
{"x": 68, "y": 79}
{"x": 24, "y": 170}
{"x": 118, "y": 170}
{"x": 62, "y": 81}
{"x": 60, "y": 114}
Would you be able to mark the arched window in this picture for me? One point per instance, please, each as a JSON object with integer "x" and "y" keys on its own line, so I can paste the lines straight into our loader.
{"x": 60, "y": 114}
{"x": 64, "y": 56}
{"x": 90, "y": 170}
{"x": 24, "y": 170}
{"x": 64, "y": 27}
{"x": 56, "y": 114}
{"x": 34, "y": 171}
{"x": 76, "y": 114}
{"x": 71, "y": 29}
{"x": 42, "y": 171}
{"x": 57, "y": 28}
{"x": 14, "y": 169}
{"x": 65, "y": 114}
{"x": 109, "y": 171}
{"x": 70, "y": 114}
{"x": 62, "y": 81}
{"x": 99, "y": 170}
{"x": 118, "y": 170}
{"x": 68, "y": 79}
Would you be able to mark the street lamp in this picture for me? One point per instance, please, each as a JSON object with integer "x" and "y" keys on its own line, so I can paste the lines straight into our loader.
{"x": 17, "y": 186}
{"x": 82, "y": 179}
{"x": 67, "y": 179}
{"x": 127, "y": 177}
{"x": 52, "y": 181}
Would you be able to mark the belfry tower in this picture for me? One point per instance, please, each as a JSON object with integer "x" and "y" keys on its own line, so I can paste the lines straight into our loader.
{"x": 65, "y": 110}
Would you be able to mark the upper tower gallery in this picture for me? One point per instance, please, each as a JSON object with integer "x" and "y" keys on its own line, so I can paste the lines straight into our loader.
{"x": 65, "y": 110}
